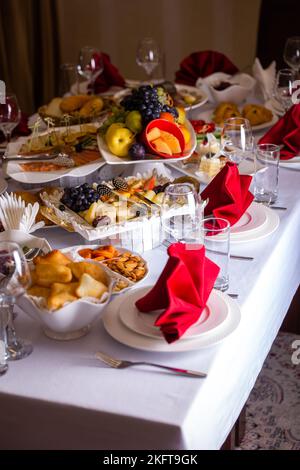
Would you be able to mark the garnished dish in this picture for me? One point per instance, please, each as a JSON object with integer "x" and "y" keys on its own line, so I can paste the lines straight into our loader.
{"x": 256, "y": 114}
{"x": 148, "y": 126}
{"x": 75, "y": 109}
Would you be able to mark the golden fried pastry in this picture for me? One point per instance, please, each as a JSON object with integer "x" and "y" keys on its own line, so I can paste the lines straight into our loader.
{"x": 53, "y": 108}
{"x": 92, "y": 107}
{"x": 54, "y": 257}
{"x": 70, "y": 288}
{"x": 73, "y": 103}
{"x": 225, "y": 111}
{"x": 257, "y": 114}
{"x": 93, "y": 269}
{"x": 38, "y": 291}
{"x": 89, "y": 287}
{"x": 47, "y": 274}
{"x": 56, "y": 301}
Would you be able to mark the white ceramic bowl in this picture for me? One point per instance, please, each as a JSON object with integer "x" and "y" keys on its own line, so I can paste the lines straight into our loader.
{"x": 238, "y": 92}
{"x": 69, "y": 322}
{"x": 25, "y": 239}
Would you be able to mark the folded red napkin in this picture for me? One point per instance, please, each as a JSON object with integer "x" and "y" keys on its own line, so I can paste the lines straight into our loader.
{"x": 286, "y": 132}
{"x": 21, "y": 129}
{"x": 228, "y": 194}
{"x": 109, "y": 77}
{"x": 182, "y": 290}
{"x": 202, "y": 64}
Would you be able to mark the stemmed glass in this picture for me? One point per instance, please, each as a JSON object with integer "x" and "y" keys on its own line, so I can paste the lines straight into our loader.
{"x": 291, "y": 53}
{"x": 10, "y": 115}
{"x": 90, "y": 63}
{"x": 14, "y": 279}
{"x": 181, "y": 213}
{"x": 284, "y": 87}
{"x": 148, "y": 55}
{"x": 237, "y": 139}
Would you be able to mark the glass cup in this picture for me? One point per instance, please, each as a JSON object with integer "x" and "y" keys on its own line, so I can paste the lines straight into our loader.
{"x": 291, "y": 53}
{"x": 69, "y": 79}
{"x": 10, "y": 115}
{"x": 266, "y": 179}
{"x": 237, "y": 139}
{"x": 148, "y": 55}
{"x": 284, "y": 87}
{"x": 215, "y": 234}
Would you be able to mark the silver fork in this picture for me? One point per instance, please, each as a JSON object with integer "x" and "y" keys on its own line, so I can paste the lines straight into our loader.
{"x": 119, "y": 364}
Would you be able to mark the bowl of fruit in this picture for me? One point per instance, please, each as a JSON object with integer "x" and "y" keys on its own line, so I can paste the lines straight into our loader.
{"x": 122, "y": 138}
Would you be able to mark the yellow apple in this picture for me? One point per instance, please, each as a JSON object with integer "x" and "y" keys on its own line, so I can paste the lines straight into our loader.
{"x": 181, "y": 115}
{"x": 119, "y": 139}
{"x": 186, "y": 134}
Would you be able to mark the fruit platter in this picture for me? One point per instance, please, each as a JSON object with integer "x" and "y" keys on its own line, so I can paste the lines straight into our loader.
{"x": 49, "y": 155}
{"x": 111, "y": 208}
{"x": 147, "y": 127}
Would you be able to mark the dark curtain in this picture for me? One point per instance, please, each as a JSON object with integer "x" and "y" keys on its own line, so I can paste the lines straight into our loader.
{"x": 29, "y": 50}
{"x": 279, "y": 19}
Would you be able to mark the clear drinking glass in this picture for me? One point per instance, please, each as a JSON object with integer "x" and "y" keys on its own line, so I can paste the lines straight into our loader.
{"x": 216, "y": 239}
{"x": 90, "y": 63}
{"x": 10, "y": 115}
{"x": 14, "y": 279}
{"x": 237, "y": 139}
{"x": 266, "y": 179}
{"x": 68, "y": 79}
{"x": 148, "y": 55}
{"x": 181, "y": 214}
{"x": 291, "y": 53}
{"x": 284, "y": 87}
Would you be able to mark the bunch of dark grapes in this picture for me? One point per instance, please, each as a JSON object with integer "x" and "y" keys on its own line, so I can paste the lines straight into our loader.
{"x": 149, "y": 101}
{"x": 80, "y": 198}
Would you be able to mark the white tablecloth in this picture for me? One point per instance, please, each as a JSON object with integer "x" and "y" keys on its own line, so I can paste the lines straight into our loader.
{"x": 61, "y": 397}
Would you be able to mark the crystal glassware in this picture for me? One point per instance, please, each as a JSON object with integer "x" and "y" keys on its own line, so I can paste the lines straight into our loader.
{"x": 68, "y": 79}
{"x": 291, "y": 54}
{"x": 10, "y": 115}
{"x": 14, "y": 279}
{"x": 266, "y": 179}
{"x": 284, "y": 87}
{"x": 215, "y": 233}
{"x": 237, "y": 139}
{"x": 148, "y": 56}
{"x": 181, "y": 214}
{"x": 90, "y": 63}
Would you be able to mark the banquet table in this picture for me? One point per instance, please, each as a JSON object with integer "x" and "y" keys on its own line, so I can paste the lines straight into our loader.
{"x": 61, "y": 397}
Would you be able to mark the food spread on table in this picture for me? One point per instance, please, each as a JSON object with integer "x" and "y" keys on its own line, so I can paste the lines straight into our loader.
{"x": 256, "y": 114}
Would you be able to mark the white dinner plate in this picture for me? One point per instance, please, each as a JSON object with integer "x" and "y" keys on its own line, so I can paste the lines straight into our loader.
{"x": 208, "y": 117}
{"x": 292, "y": 164}
{"x": 14, "y": 170}
{"x": 213, "y": 315}
{"x": 112, "y": 159}
{"x": 115, "y": 328}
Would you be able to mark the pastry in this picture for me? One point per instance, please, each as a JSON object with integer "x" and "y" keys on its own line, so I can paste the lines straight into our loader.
{"x": 257, "y": 114}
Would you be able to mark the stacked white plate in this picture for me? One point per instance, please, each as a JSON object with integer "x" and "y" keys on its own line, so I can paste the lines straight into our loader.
{"x": 126, "y": 324}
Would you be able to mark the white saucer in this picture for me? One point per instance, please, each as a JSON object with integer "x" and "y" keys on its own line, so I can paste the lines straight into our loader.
{"x": 214, "y": 315}
{"x": 124, "y": 335}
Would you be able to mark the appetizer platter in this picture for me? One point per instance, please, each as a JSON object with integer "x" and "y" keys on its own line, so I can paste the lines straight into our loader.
{"x": 147, "y": 127}
{"x": 49, "y": 155}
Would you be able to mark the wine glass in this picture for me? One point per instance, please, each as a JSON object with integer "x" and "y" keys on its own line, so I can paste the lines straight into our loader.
{"x": 10, "y": 115}
{"x": 181, "y": 213}
{"x": 237, "y": 139}
{"x": 291, "y": 53}
{"x": 90, "y": 63}
{"x": 284, "y": 87}
{"x": 148, "y": 55}
{"x": 14, "y": 279}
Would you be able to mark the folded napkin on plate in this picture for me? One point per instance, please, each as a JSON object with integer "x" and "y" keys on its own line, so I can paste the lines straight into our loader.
{"x": 21, "y": 129}
{"x": 286, "y": 132}
{"x": 16, "y": 215}
{"x": 108, "y": 78}
{"x": 182, "y": 290}
{"x": 228, "y": 194}
{"x": 265, "y": 77}
{"x": 202, "y": 64}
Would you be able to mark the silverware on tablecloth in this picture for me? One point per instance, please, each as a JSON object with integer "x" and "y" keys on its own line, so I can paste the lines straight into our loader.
{"x": 166, "y": 243}
{"x": 60, "y": 159}
{"x": 233, "y": 296}
{"x": 120, "y": 364}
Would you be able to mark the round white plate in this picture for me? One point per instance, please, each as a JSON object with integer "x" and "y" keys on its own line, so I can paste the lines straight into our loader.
{"x": 112, "y": 159}
{"x": 3, "y": 185}
{"x": 254, "y": 218}
{"x": 292, "y": 164}
{"x": 213, "y": 315}
{"x": 264, "y": 231}
{"x": 208, "y": 117}
{"x": 124, "y": 335}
